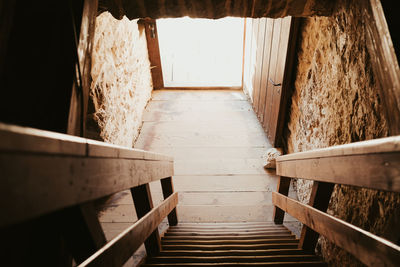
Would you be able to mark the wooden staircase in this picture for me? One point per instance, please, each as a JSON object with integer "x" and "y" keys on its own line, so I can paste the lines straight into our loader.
{"x": 231, "y": 244}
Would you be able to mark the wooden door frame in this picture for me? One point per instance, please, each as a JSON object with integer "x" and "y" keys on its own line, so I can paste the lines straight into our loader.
{"x": 153, "y": 47}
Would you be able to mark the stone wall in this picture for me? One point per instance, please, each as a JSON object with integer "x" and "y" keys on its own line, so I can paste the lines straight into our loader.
{"x": 122, "y": 84}
{"x": 336, "y": 101}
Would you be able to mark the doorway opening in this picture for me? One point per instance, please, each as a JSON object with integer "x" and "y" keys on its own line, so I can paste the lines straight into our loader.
{"x": 201, "y": 52}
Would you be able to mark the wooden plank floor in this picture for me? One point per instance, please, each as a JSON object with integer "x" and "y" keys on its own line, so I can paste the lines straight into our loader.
{"x": 217, "y": 143}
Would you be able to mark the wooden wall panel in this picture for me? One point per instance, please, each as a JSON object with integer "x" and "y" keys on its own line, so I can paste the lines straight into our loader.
{"x": 276, "y": 42}
{"x": 266, "y": 60}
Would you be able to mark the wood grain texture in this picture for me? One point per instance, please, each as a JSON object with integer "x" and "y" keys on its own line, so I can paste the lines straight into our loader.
{"x": 78, "y": 179}
{"x": 383, "y": 61}
{"x": 150, "y": 27}
{"x": 380, "y": 145}
{"x": 143, "y": 204}
{"x": 118, "y": 250}
{"x": 260, "y": 36}
{"x": 319, "y": 199}
{"x": 368, "y": 248}
{"x": 283, "y": 188}
{"x": 377, "y": 171}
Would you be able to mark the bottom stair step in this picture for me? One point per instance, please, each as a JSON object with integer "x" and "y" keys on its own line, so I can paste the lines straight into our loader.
{"x": 269, "y": 264}
{"x": 241, "y": 245}
{"x": 233, "y": 259}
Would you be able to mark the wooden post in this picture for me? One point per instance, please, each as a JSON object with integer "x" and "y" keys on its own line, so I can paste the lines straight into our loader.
{"x": 283, "y": 188}
{"x": 150, "y": 26}
{"x": 319, "y": 199}
{"x": 168, "y": 189}
{"x": 82, "y": 231}
{"x": 143, "y": 204}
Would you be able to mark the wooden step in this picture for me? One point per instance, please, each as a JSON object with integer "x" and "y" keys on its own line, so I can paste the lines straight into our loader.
{"x": 259, "y": 252}
{"x": 228, "y": 242}
{"x": 246, "y": 229}
{"x": 225, "y": 259}
{"x": 231, "y": 244}
{"x": 225, "y": 264}
{"x": 271, "y": 232}
{"x": 224, "y": 247}
{"x": 229, "y": 237}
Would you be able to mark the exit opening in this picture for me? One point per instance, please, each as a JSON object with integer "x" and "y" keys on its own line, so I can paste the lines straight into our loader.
{"x": 201, "y": 52}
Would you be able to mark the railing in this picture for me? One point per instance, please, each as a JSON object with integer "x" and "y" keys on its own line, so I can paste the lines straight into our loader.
{"x": 370, "y": 164}
{"x": 44, "y": 173}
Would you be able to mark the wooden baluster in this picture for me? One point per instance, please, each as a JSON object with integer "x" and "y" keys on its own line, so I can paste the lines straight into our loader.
{"x": 283, "y": 188}
{"x": 168, "y": 189}
{"x": 82, "y": 231}
{"x": 143, "y": 204}
{"x": 319, "y": 199}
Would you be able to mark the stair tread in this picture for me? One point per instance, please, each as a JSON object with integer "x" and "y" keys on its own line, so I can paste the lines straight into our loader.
{"x": 239, "y": 244}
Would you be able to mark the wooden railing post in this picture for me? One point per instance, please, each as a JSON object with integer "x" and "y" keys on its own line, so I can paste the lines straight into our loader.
{"x": 82, "y": 231}
{"x": 168, "y": 189}
{"x": 283, "y": 188}
{"x": 320, "y": 196}
{"x": 143, "y": 204}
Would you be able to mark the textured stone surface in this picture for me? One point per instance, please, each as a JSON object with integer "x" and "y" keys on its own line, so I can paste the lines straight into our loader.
{"x": 336, "y": 101}
{"x": 270, "y": 157}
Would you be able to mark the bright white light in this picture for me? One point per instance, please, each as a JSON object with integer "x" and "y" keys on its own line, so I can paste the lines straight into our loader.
{"x": 201, "y": 52}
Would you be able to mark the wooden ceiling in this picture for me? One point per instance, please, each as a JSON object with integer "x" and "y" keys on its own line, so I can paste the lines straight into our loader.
{"x": 214, "y": 9}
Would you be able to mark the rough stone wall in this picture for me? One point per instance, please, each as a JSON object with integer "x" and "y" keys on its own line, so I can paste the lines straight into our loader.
{"x": 336, "y": 101}
{"x": 122, "y": 84}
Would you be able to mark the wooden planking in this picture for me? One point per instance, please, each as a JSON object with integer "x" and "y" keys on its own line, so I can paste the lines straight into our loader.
{"x": 217, "y": 253}
{"x": 383, "y": 60}
{"x": 229, "y": 241}
{"x": 225, "y": 198}
{"x": 219, "y": 167}
{"x": 229, "y": 139}
{"x": 150, "y": 27}
{"x": 320, "y": 196}
{"x": 230, "y": 237}
{"x": 287, "y": 81}
{"x": 367, "y": 247}
{"x": 283, "y": 188}
{"x": 225, "y": 213}
{"x": 227, "y": 264}
{"x": 259, "y": 62}
{"x": 79, "y": 179}
{"x": 79, "y": 100}
{"x": 190, "y": 106}
{"x": 281, "y": 67}
{"x": 256, "y": 45}
{"x": 171, "y": 115}
{"x": 193, "y": 95}
{"x": 183, "y": 153}
{"x": 271, "y": 74}
{"x": 266, "y": 66}
{"x": 117, "y": 251}
{"x": 380, "y": 145}
{"x": 229, "y": 246}
{"x": 237, "y": 183}
{"x": 377, "y": 171}
{"x": 233, "y": 259}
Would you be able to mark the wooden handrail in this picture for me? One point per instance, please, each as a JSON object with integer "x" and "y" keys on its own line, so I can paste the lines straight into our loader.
{"x": 56, "y": 174}
{"x": 118, "y": 250}
{"x": 367, "y": 247}
{"x": 371, "y": 164}
{"x": 44, "y": 171}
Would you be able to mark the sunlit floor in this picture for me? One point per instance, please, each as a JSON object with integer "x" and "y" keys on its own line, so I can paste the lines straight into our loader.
{"x": 217, "y": 144}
